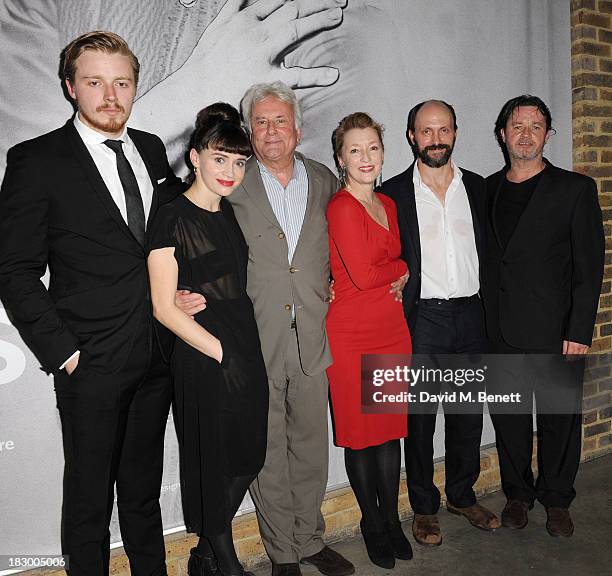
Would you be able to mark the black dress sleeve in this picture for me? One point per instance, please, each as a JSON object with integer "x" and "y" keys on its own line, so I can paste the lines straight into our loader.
{"x": 162, "y": 233}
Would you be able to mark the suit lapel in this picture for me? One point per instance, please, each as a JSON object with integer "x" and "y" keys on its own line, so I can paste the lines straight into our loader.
{"x": 254, "y": 188}
{"x": 97, "y": 183}
{"x": 475, "y": 217}
{"x": 314, "y": 183}
{"x": 493, "y": 214}
{"x": 408, "y": 199}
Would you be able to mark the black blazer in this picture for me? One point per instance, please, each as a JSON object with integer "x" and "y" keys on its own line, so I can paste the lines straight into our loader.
{"x": 55, "y": 209}
{"x": 544, "y": 287}
{"x": 401, "y": 189}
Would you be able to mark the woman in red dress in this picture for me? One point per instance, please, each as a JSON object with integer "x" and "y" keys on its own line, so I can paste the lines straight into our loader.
{"x": 366, "y": 317}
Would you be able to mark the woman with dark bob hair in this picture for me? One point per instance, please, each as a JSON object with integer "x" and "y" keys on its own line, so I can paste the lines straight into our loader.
{"x": 366, "y": 317}
{"x": 220, "y": 383}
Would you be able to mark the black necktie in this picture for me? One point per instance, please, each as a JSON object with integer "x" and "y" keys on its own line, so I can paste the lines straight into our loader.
{"x": 133, "y": 200}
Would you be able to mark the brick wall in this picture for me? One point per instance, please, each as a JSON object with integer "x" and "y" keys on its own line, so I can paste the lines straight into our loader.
{"x": 592, "y": 150}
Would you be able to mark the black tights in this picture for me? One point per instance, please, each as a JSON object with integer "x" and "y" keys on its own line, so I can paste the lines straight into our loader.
{"x": 221, "y": 546}
{"x": 374, "y": 476}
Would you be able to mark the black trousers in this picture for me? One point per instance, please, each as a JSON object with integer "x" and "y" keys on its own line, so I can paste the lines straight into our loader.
{"x": 445, "y": 327}
{"x": 558, "y": 434}
{"x": 113, "y": 433}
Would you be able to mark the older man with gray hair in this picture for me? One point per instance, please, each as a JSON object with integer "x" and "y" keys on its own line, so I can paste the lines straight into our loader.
{"x": 280, "y": 207}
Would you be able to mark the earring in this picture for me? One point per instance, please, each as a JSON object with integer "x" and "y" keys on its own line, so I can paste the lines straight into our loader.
{"x": 195, "y": 169}
{"x": 342, "y": 174}
{"x": 379, "y": 180}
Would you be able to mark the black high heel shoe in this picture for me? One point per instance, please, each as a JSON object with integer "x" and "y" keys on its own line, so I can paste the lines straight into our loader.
{"x": 400, "y": 544}
{"x": 379, "y": 548}
{"x": 201, "y": 565}
{"x": 243, "y": 573}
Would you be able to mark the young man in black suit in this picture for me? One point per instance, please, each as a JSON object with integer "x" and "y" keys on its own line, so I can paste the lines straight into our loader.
{"x": 543, "y": 274}
{"x": 440, "y": 211}
{"x": 79, "y": 199}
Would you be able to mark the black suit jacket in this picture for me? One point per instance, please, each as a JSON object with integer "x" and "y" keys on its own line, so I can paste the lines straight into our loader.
{"x": 544, "y": 287}
{"x": 55, "y": 210}
{"x": 401, "y": 189}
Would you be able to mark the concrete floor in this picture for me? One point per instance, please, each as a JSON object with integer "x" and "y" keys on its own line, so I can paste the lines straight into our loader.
{"x": 468, "y": 551}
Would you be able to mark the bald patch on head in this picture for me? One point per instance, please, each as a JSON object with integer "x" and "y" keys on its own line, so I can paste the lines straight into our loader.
{"x": 434, "y": 107}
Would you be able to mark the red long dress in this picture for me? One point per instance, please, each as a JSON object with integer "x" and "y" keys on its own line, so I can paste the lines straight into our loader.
{"x": 364, "y": 317}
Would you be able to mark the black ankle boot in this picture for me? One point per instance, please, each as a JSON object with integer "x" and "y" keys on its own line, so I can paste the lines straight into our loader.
{"x": 201, "y": 565}
{"x": 399, "y": 542}
{"x": 379, "y": 547}
{"x": 243, "y": 573}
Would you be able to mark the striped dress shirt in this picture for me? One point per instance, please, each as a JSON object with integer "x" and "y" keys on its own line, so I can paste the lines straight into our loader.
{"x": 288, "y": 204}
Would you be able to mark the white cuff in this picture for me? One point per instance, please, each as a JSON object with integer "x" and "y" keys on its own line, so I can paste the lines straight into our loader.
{"x": 75, "y": 355}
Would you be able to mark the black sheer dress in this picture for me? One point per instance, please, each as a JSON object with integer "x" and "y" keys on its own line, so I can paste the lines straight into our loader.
{"x": 220, "y": 410}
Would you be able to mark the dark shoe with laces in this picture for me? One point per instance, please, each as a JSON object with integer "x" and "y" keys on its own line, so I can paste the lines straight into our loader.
{"x": 399, "y": 543}
{"x": 286, "y": 569}
{"x": 201, "y": 565}
{"x": 330, "y": 563}
{"x": 514, "y": 514}
{"x": 379, "y": 548}
{"x": 559, "y": 522}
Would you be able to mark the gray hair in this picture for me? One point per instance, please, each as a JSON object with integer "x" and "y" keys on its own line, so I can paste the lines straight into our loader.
{"x": 279, "y": 90}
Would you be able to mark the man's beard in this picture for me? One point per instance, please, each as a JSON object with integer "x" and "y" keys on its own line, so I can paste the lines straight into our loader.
{"x": 437, "y": 162}
{"x": 517, "y": 154}
{"x": 111, "y": 126}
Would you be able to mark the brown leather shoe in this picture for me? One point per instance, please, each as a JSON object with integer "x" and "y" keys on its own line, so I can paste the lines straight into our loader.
{"x": 514, "y": 514}
{"x": 287, "y": 569}
{"x": 559, "y": 522}
{"x": 330, "y": 563}
{"x": 426, "y": 529}
{"x": 477, "y": 515}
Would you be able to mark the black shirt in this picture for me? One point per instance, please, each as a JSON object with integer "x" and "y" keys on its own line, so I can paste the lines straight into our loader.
{"x": 511, "y": 202}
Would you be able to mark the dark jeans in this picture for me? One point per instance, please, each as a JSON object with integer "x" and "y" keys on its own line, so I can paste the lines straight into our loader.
{"x": 558, "y": 434}
{"x": 113, "y": 433}
{"x": 445, "y": 327}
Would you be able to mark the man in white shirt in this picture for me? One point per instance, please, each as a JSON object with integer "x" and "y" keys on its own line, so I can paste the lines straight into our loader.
{"x": 79, "y": 199}
{"x": 441, "y": 214}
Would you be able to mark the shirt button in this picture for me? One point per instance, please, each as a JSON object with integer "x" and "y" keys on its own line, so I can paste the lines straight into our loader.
{"x": 293, "y": 270}
{"x": 281, "y": 236}
{"x": 287, "y": 307}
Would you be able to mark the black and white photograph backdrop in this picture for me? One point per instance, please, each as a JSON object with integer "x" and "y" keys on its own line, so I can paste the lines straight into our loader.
{"x": 377, "y": 56}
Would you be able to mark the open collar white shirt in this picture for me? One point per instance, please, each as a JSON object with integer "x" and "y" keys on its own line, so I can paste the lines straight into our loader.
{"x": 449, "y": 260}
{"x": 106, "y": 162}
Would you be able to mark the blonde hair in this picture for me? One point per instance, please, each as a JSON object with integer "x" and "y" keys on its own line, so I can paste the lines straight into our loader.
{"x": 99, "y": 40}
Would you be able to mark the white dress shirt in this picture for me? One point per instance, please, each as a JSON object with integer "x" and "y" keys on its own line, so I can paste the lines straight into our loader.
{"x": 449, "y": 260}
{"x": 106, "y": 162}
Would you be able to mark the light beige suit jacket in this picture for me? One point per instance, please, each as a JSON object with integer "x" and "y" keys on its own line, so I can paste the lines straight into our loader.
{"x": 276, "y": 286}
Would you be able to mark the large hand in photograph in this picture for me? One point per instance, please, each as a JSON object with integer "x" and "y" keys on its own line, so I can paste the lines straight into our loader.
{"x": 263, "y": 33}
{"x": 243, "y": 45}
